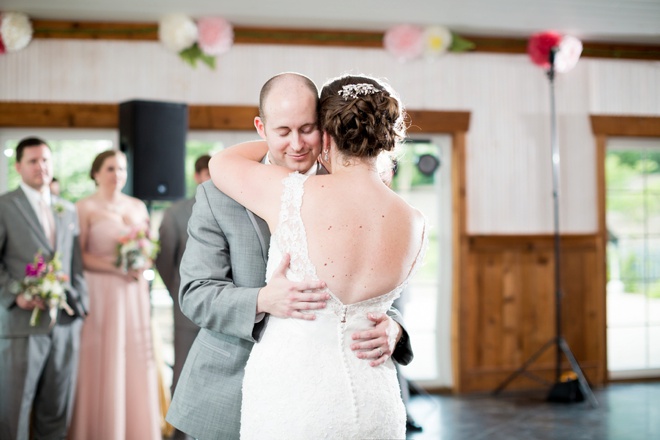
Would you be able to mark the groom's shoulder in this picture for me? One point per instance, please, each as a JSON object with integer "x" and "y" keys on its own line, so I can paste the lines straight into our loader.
{"x": 209, "y": 191}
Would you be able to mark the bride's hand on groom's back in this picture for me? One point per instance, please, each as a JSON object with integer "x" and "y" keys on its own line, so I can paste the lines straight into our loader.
{"x": 284, "y": 298}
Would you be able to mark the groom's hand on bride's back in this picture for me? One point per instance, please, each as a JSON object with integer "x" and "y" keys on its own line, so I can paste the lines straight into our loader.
{"x": 377, "y": 343}
{"x": 284, "y": 298}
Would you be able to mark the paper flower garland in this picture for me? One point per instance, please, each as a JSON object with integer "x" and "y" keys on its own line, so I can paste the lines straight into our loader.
{"x": 407, "y": 42}
{"x": 567, "y": 50}
{"x": 201, "y": 41}
{"x": 15, "y": 31}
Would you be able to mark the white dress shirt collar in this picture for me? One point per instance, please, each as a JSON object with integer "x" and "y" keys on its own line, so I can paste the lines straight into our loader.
{"x": 35, "y": 196}
{"x": 310, "y": 172}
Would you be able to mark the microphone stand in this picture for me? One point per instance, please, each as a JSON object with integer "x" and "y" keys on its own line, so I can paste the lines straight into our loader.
{"x": 558, "y": 340}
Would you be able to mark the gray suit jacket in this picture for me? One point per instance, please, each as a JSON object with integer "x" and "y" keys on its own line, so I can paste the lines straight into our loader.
{"x": 21, "y": 237}
{"x": 223, "y": 268}
{"x": 173, "y": 236}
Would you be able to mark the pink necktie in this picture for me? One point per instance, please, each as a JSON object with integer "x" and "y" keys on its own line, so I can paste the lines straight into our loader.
{"x": 47, "y": 221}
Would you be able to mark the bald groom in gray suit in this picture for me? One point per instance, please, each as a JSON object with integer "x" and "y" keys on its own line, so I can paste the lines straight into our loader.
{"x": 224, "y": 269}
{"x": 38, "y": 364}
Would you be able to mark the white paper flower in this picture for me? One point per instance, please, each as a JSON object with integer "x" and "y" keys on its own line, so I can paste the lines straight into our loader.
{"x": 177, "y": 32}
{"x": 570, "y": 49}
{"x": 16, "y": 30}
{"x": 437, "y": 40}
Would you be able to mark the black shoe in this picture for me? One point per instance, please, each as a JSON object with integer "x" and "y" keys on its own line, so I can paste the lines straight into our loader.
{"x": 412, "y": 426}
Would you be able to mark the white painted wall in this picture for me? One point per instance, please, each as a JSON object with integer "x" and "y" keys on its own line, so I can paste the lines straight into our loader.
{"x": 509, "y": 171}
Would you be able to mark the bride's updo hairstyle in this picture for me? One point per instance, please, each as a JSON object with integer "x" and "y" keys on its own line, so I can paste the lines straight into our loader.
{"x": 363, "y": 115}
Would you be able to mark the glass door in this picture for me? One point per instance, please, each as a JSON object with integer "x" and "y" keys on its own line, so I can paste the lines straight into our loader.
{"x": 632, "y": 168}
{"x": 423, "y": 178}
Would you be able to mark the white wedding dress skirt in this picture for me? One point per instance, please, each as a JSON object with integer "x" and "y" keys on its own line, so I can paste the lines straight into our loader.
{"x": 302, "y": 380}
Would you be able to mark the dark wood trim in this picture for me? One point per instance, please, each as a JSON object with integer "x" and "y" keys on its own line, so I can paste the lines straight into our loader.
{"x": 613, "y": 125}
{"x": 74, "y": 115}
{"x": 89, "y": 30}
{"x": 200, "y": 117}
{"x": 460, "y": 252}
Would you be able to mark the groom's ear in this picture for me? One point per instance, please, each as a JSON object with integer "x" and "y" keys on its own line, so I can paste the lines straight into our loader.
{"x": 259, "y": 125}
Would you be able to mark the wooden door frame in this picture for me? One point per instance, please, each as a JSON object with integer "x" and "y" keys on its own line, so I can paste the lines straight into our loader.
{"x": 604, "y": 127}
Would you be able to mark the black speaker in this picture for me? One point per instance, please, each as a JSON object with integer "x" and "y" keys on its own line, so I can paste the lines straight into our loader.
{"x": 152, "y": 134}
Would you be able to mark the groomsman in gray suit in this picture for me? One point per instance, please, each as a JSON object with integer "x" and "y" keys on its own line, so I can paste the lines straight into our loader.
{"x": 223, "y": 276}
{"x": 173, "y": 235}
{"x": 38, "y": 364}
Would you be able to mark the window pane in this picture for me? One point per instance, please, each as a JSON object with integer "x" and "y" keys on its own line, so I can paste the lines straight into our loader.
{"x": 631, "y": 348}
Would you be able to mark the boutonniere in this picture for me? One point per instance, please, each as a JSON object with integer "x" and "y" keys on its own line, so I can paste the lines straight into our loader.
{"x": 59, "y": 208}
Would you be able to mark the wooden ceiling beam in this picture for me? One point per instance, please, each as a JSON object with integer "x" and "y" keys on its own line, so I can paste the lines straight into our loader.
{"x": 200, "y": 117}
{"x": 318, "y": 37}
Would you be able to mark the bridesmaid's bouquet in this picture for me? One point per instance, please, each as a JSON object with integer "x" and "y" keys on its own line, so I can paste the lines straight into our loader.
{"x": 45, "y": 280}
{"x": 136, "y": 250}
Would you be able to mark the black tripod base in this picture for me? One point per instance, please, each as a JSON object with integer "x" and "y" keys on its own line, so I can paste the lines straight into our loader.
{"x": 566, "y": 392}
{"x": 573, "y": 390}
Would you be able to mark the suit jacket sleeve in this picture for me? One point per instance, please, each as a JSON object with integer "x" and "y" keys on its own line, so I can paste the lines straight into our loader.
{"x": 166, "y": 259}
{"x": 78, "y": 283}
{"x": 403, "y": 353}
{"x": 7, "y": 297}
{"x": 208, "y": 295}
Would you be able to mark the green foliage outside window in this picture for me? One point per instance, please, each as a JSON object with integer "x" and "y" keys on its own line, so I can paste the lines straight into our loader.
{"x": 633, "y": 202}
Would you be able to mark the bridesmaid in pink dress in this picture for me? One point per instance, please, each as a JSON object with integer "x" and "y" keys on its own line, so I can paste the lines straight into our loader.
{"x": 116, "y": 396}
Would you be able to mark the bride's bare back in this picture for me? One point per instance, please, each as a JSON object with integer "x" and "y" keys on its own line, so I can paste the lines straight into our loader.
{"x": 362, "y": 237}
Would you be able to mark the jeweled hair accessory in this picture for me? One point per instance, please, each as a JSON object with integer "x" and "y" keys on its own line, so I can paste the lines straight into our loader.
{"x": 352, "y": 91}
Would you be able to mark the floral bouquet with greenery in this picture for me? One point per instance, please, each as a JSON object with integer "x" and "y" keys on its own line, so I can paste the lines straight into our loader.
{"x": 136, "y": 250}
{"x": 45, "y": 280}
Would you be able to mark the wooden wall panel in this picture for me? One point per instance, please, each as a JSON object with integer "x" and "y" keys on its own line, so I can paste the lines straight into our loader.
{"x": 508, "y": 309}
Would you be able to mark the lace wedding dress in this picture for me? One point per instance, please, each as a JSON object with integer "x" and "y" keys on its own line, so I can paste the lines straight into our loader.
{"x": 302, "y": 380}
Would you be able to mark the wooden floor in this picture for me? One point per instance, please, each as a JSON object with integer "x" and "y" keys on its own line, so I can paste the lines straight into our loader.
{"x": 625, "y": 412}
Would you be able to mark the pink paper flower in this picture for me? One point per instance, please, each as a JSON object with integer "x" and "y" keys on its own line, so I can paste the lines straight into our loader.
{"x": 540, "y": 45}
{"x": 216, "y": 35}
{"x": 405, "y": 42}
{"x": 2, "y": 46}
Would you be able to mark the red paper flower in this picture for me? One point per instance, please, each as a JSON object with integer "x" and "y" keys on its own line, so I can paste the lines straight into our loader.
{"x": 540, "y": 45}
{"x": 405, "y": 42}
{"x": 2, "y": 46}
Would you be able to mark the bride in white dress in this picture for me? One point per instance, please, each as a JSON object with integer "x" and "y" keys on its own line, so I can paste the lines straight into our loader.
{"x": 351, "y": 231}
